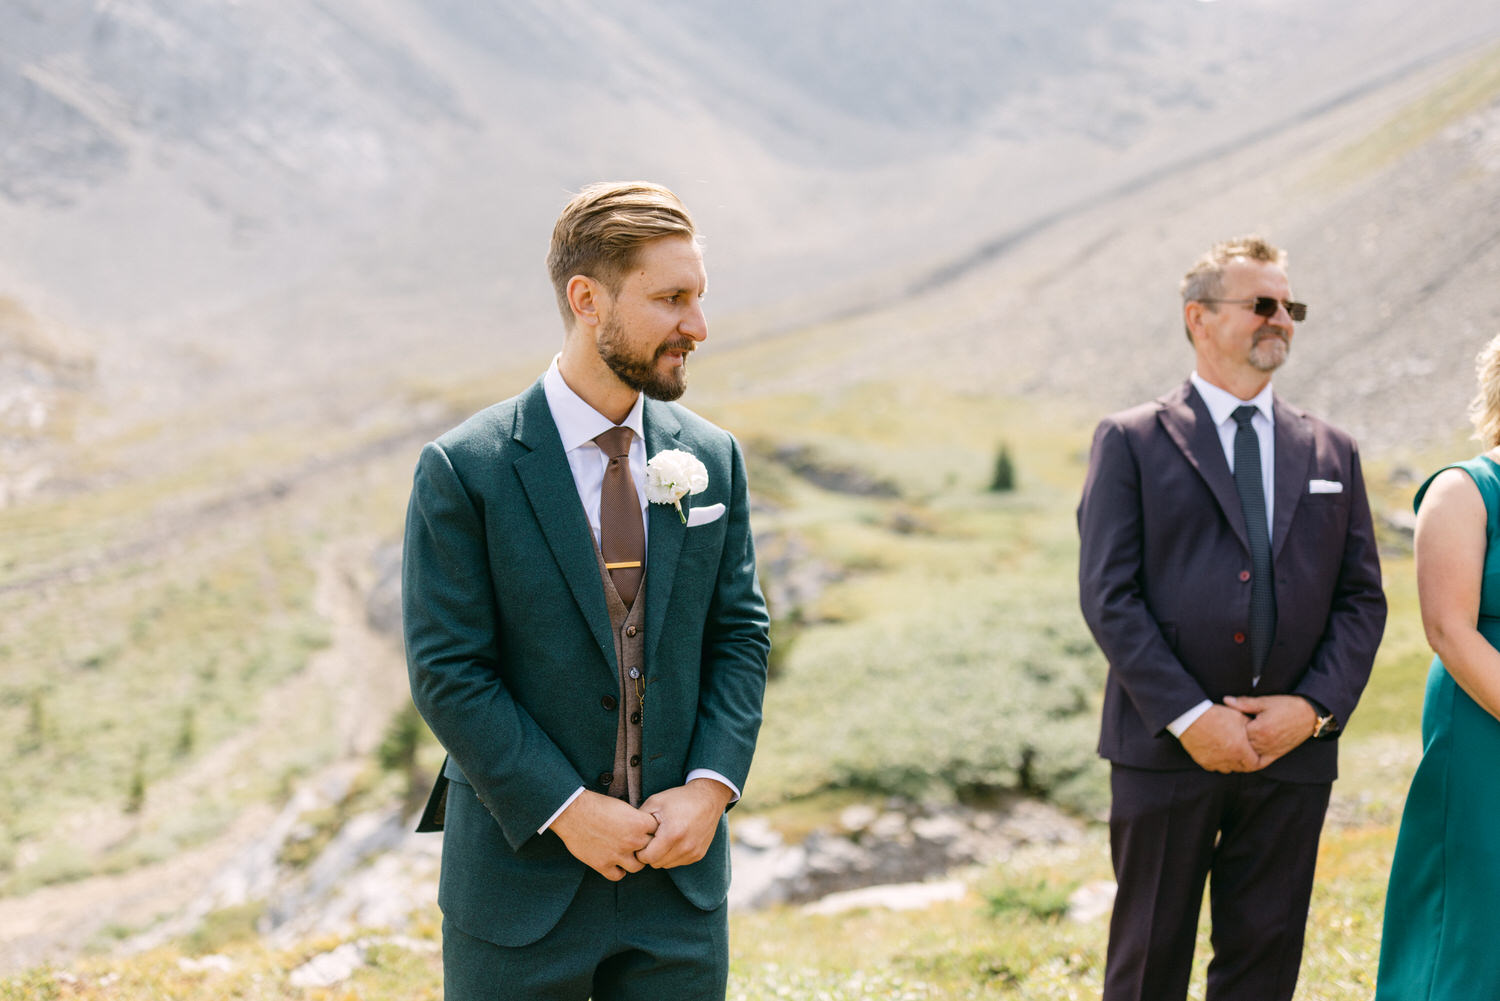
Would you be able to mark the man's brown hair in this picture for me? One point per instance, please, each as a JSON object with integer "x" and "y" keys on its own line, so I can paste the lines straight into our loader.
{"x": 600, "y": 230}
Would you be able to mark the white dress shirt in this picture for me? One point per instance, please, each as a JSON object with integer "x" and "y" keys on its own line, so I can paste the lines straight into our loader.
{"x": 1221, "y": 407}
{"x": 577, "y": 425}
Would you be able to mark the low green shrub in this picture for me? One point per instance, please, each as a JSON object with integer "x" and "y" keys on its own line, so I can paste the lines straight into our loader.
{"x": 997, "y": 694}
{"x": 1041, "y": 900}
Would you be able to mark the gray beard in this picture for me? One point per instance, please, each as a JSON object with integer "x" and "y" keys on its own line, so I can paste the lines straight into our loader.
{"x": 1264, "y": 356}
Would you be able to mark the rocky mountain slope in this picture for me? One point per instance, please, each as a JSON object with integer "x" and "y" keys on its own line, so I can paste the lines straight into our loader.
{"x": 306, "y": 207}
{"x": 251, "y": 254}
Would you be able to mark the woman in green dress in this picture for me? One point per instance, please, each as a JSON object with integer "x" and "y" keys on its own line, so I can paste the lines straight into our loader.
{"x": 1438, "y": 942}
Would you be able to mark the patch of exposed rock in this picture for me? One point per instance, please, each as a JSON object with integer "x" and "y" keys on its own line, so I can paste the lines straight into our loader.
{"x": 375, "y": 873}
{"x": 45, "y": 371}
{"x": 901, "y": 843}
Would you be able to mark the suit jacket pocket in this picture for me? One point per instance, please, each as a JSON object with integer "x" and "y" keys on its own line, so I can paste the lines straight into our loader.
{"x": 1341, "y": 498}
{"x": 702, "y": 514}
{"x": 706, "y": 536}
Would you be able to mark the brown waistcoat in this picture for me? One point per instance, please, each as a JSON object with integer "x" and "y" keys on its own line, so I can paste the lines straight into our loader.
{"x": 629, "y": 627}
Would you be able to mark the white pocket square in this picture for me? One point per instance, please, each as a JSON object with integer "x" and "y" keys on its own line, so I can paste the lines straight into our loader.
{"x": 1324, "y": 487}
{"x": 704, "y": 515}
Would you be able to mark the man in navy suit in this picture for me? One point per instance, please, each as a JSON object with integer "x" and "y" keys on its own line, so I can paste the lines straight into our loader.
{"x": 1229, "y": 573}
{"x": 586, "y": 637}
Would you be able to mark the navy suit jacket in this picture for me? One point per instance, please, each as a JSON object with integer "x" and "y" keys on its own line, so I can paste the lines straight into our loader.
{"x": 510, "y": 652}
{"x": 1164, "y": 577}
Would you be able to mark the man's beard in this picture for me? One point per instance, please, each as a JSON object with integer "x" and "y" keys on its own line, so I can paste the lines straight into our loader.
{"x": 641, "y": 374}
{"x": 1268, "y": 351}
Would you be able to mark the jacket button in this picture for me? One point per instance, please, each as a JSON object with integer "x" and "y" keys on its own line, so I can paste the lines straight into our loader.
{"x": 1239, "y": 637}
{"x": 635, "y": 761}
{"x": 605, "y": 778}
{"x": 1244, "y": 575}
{"x": 609, "y": 703}
{"x": 635, "y": 718}
{"x": 631, "y": 630}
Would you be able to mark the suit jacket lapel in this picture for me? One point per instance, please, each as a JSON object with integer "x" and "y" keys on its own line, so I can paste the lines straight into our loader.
{"x": 1186, "y": 420}
{"x": 665, "y": 530}
{"x": 549, "y": 486}
{"x": 1294, "y": 452}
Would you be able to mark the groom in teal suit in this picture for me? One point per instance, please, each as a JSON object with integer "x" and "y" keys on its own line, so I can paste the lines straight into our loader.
{"x": 586, "y": 637}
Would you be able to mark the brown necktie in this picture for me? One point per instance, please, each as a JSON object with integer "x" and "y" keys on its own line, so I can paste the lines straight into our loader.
{"x": 622, "y": 535}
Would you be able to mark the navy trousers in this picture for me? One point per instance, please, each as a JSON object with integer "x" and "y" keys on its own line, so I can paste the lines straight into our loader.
{"x": 1254, "y": 839}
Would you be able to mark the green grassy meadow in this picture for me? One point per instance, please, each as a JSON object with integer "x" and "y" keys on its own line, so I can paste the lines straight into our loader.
{"x": 947, "y": 618}
{"x": 143, "y": 627}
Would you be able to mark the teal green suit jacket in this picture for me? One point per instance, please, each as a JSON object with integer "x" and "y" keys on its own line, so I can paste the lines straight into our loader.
{"x": 510, "y": 652}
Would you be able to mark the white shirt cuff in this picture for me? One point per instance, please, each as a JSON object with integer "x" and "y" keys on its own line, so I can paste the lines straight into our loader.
{"x": 566, "y": 803}
{"x": 1187, "y": 719}
{"x": 709, "y": 773}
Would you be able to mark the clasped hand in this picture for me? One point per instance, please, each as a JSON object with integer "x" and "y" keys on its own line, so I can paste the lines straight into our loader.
{"x": 672, "y": 828}
{"x": 1247, "y": 733}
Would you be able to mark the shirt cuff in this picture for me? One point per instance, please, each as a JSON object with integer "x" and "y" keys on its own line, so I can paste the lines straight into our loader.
{"x": 566, "y": 803}
{"x": 709, "y": 773}
{"x": 1187, "y": 719}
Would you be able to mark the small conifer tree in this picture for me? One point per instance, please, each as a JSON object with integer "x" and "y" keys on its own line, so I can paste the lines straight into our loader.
{"x": 1004, "y": 479}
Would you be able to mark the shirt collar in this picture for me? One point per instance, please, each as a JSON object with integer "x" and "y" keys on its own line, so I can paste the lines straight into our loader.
{"x": 1221, "y": 403}
{"x": 577, "y": 422}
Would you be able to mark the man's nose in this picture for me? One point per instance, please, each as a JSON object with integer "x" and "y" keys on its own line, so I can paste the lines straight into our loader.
{"x": 695, "y": 324}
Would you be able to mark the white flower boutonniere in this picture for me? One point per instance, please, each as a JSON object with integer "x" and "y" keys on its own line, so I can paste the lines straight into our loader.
{"x": 672, "y": 475}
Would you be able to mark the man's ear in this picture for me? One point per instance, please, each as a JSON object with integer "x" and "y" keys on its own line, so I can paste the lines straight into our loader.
{"x": 1192, "y": 318}
{"x": 585, "y": 296}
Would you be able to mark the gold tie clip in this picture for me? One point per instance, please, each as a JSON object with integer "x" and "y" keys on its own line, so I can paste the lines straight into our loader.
{"x": 622, "y": 566}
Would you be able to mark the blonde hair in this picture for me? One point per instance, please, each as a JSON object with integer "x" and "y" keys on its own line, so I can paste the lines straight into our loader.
{"x": 1205, "y": 279}
{"x": 1484, "y": 409}
{"x": 600, "y": 230}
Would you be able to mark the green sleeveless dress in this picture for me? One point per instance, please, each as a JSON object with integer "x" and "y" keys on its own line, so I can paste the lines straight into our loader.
{"x": 1438, "y": 943}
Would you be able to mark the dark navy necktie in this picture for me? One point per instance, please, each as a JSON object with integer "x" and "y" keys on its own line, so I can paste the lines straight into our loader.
{"x": 1252, "y": 491}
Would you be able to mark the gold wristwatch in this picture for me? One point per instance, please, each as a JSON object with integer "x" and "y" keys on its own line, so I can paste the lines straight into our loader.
{"x": 1327, "y": 725}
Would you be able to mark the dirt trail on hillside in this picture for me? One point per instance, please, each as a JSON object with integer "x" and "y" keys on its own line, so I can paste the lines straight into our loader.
{"x": 143, "y": 540}
{"x": 360, "y": 670}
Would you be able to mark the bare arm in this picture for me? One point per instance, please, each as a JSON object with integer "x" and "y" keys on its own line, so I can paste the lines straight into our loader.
{"x": 1450, "y": 546}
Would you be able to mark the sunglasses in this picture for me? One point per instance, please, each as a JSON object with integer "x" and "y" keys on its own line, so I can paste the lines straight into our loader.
{"x": 1265, "y": 305}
